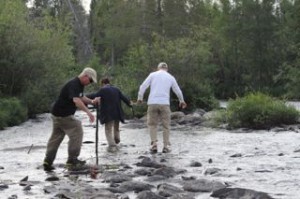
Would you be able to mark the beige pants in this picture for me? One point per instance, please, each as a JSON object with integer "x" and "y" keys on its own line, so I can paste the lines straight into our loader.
{"x": 155, "y": 114}
{"x": 62, "y": 126}
{"x": 112, "y": 132}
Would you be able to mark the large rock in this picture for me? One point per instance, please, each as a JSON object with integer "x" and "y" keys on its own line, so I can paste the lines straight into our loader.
{"x": 148, "y": 162}
{"x": 165, "y": 171}
{"x": 203, "y": 185}
{"x": 191, "y": 119}
{"x": 148, "y": 195}
{"x": 168, "y": 190}
{"x": 115, "y": 177}
{"x": 177, "y": 115}
{"x": 238, "y": 193}
{"x": 86, "y": 192}
{"x": 135, "y": 186}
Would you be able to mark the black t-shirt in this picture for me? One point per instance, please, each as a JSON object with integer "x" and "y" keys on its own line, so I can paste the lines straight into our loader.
{"x": 64, "y": 105}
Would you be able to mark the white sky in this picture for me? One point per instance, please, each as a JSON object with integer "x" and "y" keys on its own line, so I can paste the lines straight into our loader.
{"x": 86, "y": 5}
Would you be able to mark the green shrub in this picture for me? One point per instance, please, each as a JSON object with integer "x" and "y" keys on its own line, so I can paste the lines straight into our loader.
{"x": 12, "y": 112}
{"x": 38, "y": 98}
{"x": 220, "y": 116}
{"x": 199, "y": 95}
{"x": 137, "y": 111}
{"x": 259, "y": 111}
{"x": 3, "y": 119}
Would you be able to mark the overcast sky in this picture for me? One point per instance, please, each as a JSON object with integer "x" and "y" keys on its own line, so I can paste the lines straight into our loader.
{"x": 86, "y": 5}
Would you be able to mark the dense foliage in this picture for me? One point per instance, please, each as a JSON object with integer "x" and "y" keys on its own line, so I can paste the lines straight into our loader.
{"x": 259, "y": 111}
{"x": 215, "y": 49}
{"x": 12, "y": 112}
{"x": 35, "y": 56}
{"x": 230, "y": 47}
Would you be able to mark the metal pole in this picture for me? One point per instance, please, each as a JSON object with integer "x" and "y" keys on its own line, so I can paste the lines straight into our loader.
{"x": 133, "y": 115}
{"x": 97, "y": 127}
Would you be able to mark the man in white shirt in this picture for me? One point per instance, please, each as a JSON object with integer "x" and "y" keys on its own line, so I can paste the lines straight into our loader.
{"x": 160, "y": 82}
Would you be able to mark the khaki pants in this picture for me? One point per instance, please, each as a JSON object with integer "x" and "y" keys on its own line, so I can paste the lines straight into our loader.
{"x": 112, "y": 132}
{"x": 62, "y": 126}
{"x": 155, "y": 114}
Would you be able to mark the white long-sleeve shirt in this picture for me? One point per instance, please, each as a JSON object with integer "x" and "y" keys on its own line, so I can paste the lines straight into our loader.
{"x": 160, "y": 82}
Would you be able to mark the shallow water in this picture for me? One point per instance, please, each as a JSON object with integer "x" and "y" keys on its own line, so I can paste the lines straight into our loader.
{"x": 267, "y": 160}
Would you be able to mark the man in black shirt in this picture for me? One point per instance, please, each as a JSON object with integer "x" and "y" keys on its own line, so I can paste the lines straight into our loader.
{"x": 64, "y": 123}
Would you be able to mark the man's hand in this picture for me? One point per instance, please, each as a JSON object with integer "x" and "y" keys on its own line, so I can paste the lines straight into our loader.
{"x": 182, "y": 105}
{"x": 96, "y": 101}
{"x": 91, "y": 116}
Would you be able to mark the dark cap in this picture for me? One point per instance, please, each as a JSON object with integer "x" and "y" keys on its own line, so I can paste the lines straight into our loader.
{"x": 105, "y": 81}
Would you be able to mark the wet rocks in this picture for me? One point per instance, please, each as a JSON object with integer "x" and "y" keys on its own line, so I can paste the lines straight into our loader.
{"x": 177, "y": 115}
{"x": 144, "y": 171}
{"x": 92, "y": 193}
{"x": 27, "y": 188}
{"x": 148, "y": 162}
{"x": 295, "y": 128}
{"x": 191, "y": 119}
{"x": 186, "y": 178}
{"x": 132, "y": 186}
{"x": 14, "y": 196}
{"x": 237, "y": 155}
{"x": 3, "y": 186}
{"x": 177, "y": 118}
{"x": 297, "y": 151}
{"x": 52, "y": 178}
{"x": 149, "y": 195}
{"x": 167, "y": 190}
{"x": 167, "y": 172}
{"x": 49, "y": 189}
{"x": 203, "y": 185}
{"x": 211, "y": 171}
{"x": 113, "y": 177}
{"x": 24, "y": 181}
{"x": 195, "y": 164}
{"x": 236, "y": 193}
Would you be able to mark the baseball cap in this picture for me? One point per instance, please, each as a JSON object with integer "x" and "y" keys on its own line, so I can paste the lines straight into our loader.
{"x": 91, "y": 73}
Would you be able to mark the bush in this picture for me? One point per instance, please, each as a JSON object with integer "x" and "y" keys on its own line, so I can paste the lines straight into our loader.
{"x": 259, "y": 111}
{"x": 199, "y": 95}
{"x": 3, "y": 119}
{"x": 12, "y": 112}
{"x": 38, "y": 97}
{"x": 137, "y": 111}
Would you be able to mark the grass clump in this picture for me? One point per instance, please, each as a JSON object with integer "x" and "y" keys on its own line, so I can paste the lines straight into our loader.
{"x": 260, "y": 111}
{"x": 12, "y": 112}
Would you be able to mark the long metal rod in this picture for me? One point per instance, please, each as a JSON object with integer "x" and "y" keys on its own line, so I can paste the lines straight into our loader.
{"x": 97, "y": 127}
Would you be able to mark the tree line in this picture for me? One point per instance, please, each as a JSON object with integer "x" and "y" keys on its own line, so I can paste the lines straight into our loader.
{"x": 225, "y": 48}
{"x": 215, "y": 49}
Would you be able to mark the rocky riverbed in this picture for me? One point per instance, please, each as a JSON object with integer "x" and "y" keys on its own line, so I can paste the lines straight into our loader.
{"x": 205, "y": 163}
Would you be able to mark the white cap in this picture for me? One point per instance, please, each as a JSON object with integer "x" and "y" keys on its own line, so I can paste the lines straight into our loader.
{"x": 91, "y": 73}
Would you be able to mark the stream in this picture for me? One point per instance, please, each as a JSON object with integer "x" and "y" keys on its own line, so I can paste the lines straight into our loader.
{"x": 265, "y": 161}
